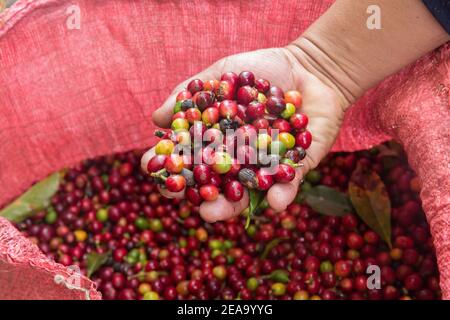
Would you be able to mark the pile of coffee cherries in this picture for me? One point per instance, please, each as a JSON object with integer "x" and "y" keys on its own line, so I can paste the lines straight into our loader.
{"x": 161, "y": 249}
{"x": 229, "y": 134}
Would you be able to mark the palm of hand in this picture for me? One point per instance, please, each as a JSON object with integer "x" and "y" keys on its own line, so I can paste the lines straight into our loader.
{"x": 320, "y": 103}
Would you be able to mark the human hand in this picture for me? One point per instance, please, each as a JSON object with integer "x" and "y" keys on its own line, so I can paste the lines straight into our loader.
{"x": 321, "y": 103}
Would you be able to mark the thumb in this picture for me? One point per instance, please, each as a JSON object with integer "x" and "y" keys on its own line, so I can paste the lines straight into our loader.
{"x": 280, "y": 195}
{"x": 163, "y": 115}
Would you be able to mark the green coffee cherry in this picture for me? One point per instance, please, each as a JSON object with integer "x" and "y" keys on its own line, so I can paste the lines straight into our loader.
{"x": 289, "y": 111}
{"x": 51, "y": 216}
{"x": 102, "y": 215}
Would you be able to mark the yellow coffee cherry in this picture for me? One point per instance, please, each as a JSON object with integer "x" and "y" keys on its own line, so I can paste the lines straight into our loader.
{"x": 287, "y": 139}
{"x": 80, "y": 235}
{"x": 165, "y": 146}
{"x": 263, "y": 141}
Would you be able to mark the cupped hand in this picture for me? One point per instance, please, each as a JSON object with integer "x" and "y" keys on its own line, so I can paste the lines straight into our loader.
{"x": 283, "y": 68}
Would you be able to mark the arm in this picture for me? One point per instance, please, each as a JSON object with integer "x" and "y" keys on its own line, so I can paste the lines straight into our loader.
{"x": 333, "y": 63}
{"x": 344, "y": 53}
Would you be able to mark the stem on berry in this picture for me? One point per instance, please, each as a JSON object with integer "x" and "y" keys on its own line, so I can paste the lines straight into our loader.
{"x": 159, "y": 174}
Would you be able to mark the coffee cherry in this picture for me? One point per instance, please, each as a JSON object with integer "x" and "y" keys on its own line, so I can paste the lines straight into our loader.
{"x": 342, "y": 268}
{"x": 193, "y": 196}
{"x": 278, "y": 147}
{"x": 210, "y": 116}
{"x": 211, "y": 85}
{"x": 295, "y": 155}
{"x": 204, "y": 99}
{"x": 293, "y": 97}
{"x": 246, "y": 94}
{"x": 187, "y": 105}
{"x": 354, "y": 241}
{"x": 275, "y": 91}
{"x": 262, "y": 124}
{"x": 278, "y": 289}
{"x": 248, "y": 178}
{"x": 202, "y": 174}
{"x": 226, "y": 90}
{"x": 209, "y": 192}
{"x": 371, "y": 237}
{"x": 164, "y": 147}
{"x": 220, "y": 272}
{"x": 174, "y": 163}
{"x": 182, "y": 137}
{"x": 284, "y": 173}
{"x": 175, "y": 183}
{"x": 228, "y": 109}
{"x": 303, "y": 139}
{"x": 246, "y": 78}
{"x": 281, "y": 125}
{"x": 255, "y": 110}
{"x": 179, "y": 115}
{"x": 275, "y": 105}
{"x": 156, "y": 163}
{"x": 180, "y": 124}
{"x": 183, "y": 95}
{"x": 287, "y": 139}
{"x": 222, "y": 162}
{"x": 227, "y": 124}
{"x": 298, "y": 121}
{"x": 261, "y": 98}
{"x": 263, "y": 141}
{"x": 151, "y": 295}
{"x": 289, "y": 111}
{"x": 413, "y": 282}
{"x": 232, "y": 77}
{"x": 265, "y": 179}
{"x": 193, "y": 115}
{"x": 215, "y": 136}
{"x": 195, "y": 86}
{"x": 262, "y": 85}
{"x": 234, "y": 191}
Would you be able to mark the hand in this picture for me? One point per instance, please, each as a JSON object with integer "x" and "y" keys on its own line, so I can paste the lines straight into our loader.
{"x": 283, "y": 67}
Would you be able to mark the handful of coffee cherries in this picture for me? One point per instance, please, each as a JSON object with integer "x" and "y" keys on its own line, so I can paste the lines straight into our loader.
{"x": 229, "y": 134}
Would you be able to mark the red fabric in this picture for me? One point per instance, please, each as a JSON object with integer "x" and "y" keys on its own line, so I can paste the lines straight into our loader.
{"x": 67, "y": 95}
{"x": 26, "y": 273}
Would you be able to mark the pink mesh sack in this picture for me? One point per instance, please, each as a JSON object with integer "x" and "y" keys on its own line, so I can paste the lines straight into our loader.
{"x": 69, "y": 93}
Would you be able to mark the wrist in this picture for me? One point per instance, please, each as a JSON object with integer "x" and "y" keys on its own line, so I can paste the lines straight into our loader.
{"x": 349, "y": 57}
{"x": 314, "y": 56}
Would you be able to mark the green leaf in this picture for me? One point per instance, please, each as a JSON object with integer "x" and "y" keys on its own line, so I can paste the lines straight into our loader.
{"x": 371, "y": 201}
{"x": 279, "y": 276}
{"x": 95, "y": 261}
{"x": 269, "y": 246}
{"x": 36, "y": 198}
{"x": 256, "y": 197}
{"x": 327, "y": 201}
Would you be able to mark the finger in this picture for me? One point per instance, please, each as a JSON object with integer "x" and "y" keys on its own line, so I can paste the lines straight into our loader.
{"x": 171, "y": 195}
{"x": 163, "y": 115}
{"x": 280, "y": 195}
{"x": 146, "y": 157}
{"x": 222, "y": 209}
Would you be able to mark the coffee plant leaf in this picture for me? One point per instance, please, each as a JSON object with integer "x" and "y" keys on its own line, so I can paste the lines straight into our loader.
{"x": 95, "y": 261}
{"x": 256, "y": 198}
{"x": 371, "y": 201}
{"x": 34, "y": 199}
{"x": 327, "y": 201}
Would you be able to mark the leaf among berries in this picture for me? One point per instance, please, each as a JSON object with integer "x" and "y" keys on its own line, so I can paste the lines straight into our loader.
{"x": 256, "y": 198}
{"x": 35, "y": 199}
{"x": 371, "y": 201}
{"x": 95, "y": 261}
{"x": 327, "y": 201}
